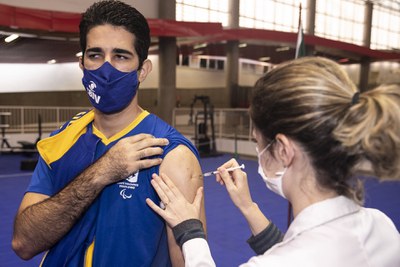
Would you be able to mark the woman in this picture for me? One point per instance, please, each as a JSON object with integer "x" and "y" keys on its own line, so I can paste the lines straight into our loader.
{"x": 312, "y": 129}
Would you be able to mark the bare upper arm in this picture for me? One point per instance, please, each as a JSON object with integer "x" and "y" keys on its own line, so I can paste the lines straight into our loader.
{"x": 30, "y": 199}
{"x": 182, "y": 166}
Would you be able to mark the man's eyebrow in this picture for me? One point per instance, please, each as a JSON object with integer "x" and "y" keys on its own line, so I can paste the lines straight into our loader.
{"x": 94, "y": 49}
{"x": 115, "y": 50}
{"x": 122, "y": 51}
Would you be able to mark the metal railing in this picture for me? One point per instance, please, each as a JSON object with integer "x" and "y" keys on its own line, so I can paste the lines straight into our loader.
{"x": 228, "y": 123}
{"x": 26, "y": 119}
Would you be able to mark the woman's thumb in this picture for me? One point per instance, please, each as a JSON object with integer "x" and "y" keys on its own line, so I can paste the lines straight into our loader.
{"x": 199, "y": 197}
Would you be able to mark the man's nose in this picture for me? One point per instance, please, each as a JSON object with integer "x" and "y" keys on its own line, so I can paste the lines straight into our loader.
{"x": 108, "y": 58}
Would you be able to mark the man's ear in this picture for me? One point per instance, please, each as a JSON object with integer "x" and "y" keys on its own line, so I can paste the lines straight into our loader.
{"x": 147, "y": 66}
{"x": 81, "y": 63}
{"x": 286, "y": 149}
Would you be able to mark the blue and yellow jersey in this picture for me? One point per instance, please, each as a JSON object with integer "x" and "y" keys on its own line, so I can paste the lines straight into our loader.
{"x": 118, "y": 229}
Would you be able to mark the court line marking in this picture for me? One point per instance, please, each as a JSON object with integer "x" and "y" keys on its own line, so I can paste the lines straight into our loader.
{"x": 15, "y": 175}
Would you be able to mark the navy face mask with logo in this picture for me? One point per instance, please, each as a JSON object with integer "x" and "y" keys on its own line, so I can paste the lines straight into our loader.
{"x": 109, "y": 89}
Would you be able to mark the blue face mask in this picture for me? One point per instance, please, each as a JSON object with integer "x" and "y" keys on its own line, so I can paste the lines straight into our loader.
{"x": 109, "y": 89}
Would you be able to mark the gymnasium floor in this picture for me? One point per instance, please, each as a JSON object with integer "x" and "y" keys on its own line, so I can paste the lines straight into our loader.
{"x": 227, "y": 230}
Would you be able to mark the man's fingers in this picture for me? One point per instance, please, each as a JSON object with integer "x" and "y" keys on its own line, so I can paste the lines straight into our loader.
{"x": 148, "y": 152}
{"x": 146, "y": 163}
{"x": 138, "y": 137}
{"x": 142, "y": 141}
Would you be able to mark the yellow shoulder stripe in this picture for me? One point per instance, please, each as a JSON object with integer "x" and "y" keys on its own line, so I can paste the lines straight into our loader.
{"x": 53, "y": 148}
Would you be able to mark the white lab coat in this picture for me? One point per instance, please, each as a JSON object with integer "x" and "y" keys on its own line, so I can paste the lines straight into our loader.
{"x": 333, "y": 233}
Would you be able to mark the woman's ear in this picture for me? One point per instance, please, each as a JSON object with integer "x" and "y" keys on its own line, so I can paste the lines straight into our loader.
{"x": 286, "y": 149}
{"x": 147, "y": 66}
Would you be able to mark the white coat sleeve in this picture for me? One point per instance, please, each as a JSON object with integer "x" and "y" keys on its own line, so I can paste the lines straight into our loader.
{"x": 197, "y": 253}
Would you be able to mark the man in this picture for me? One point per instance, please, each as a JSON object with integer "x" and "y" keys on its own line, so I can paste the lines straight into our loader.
{"x": 85, "y": 204}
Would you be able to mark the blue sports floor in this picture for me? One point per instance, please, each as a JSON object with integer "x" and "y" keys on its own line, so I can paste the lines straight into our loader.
{"x": 227, "y": 230}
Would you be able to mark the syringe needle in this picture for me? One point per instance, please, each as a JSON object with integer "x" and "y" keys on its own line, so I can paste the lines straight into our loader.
{"x": 229, "y": 169}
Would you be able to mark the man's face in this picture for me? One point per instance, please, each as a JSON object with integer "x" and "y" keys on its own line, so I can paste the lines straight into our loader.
{"x": 112, "y": 44}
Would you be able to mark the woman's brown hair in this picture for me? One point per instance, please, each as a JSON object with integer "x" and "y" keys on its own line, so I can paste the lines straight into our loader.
{"x": 313, "y": 101}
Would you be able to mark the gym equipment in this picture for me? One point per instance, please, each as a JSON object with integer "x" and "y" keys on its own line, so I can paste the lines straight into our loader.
{"x": 29, "y": 150}
{"x": 30, "y": 147}
{"x": 3, "y": 125}
{"x": 204, "y": 144}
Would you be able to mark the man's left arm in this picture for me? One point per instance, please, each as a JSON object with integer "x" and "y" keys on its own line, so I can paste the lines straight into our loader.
{"x": 182, "y": 166}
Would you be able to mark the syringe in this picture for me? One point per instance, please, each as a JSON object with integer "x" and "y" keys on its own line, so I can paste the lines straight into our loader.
{"x": 229, "y": 169}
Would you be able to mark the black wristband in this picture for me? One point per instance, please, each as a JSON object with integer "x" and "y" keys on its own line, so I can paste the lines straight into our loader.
{"x": 267, "y": 238}
{"x": 187, "y": 230}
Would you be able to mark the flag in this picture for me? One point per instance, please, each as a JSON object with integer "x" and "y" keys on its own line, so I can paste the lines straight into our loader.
{"x": 300, "y": 46}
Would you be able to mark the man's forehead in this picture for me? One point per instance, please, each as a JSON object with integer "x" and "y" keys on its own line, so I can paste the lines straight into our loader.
{"x": 111, "y": 38}
{"x": 108, "y": 29}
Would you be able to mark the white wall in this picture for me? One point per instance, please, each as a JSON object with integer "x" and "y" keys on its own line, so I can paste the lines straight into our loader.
{"x": 391, "y": 73}
{"x": 148, "y": 8}
{"x": 199, "y": 78}
{"x": 40, "y": 77}
{"x": 380, "y": 72}
{"x": 353, "y": 70}
{"x": 68, "y": 76}
{"x": 18, "y": 78}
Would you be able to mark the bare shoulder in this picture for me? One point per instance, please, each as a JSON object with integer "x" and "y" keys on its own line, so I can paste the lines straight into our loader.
{"x": 180, "y": 153}
{"x": 183, "y": 167}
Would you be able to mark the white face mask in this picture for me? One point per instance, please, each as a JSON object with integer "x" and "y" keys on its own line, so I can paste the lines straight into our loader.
{"x": 273, "y": 183}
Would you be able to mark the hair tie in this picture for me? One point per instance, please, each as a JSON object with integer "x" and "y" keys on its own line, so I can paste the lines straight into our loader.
{"x": 356, "y": 98}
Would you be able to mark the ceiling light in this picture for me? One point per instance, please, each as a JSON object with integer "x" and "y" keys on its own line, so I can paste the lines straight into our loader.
{"x": 11, "y": 38}
{"x": 153, "y": 48}
{"x": 79, "y": 54}
{"x": 283, "y": 48}
{"x": 52, "y": 61}
{"x": 196, "y": 53}
{"x": 20, "y": 34}
{"x": 200, "y": 46}
{"x": 242, "y": 45}
{"x": 264, "y": 58}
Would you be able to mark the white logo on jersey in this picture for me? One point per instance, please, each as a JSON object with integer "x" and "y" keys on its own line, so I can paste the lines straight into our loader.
{"x": 130, "y": 183}
{"x": 133, "y": 177}
{"x": 123, "y": 195}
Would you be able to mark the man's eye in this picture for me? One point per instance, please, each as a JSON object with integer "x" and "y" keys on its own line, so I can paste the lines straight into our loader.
{"x": 93, "y": 55}
{"x": 121, "y": 57}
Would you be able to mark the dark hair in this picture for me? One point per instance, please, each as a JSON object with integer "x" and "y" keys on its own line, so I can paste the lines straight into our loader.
{"x": 311, "y": 101}
{"x": 117, "y": 13}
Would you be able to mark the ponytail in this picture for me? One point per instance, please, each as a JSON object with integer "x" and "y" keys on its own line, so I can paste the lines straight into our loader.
{"x": 371, "y": 130}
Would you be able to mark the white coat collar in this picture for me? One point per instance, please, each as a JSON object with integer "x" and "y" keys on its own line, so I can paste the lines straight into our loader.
{"x": 321, "y": 213}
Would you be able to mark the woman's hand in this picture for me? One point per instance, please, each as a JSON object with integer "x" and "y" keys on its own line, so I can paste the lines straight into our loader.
{"x": 236, "y": 185}
{"x": 176, "y": 208}
{"x": 238, "y": 189}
